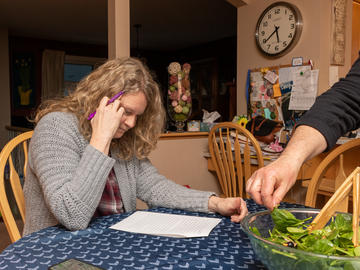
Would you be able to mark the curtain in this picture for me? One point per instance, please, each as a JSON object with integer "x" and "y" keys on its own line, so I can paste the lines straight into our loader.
{"x": 52, "y": 74}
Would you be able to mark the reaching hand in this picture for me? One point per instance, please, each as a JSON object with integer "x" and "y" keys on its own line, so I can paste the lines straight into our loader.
{"x": 269, "y": 185}
{"x": 234, "y": 207}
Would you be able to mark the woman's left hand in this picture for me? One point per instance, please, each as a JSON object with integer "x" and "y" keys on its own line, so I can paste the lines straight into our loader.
{"x": 234, "y": 207}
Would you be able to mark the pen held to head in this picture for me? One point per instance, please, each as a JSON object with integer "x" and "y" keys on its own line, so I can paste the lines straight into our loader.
{"x": 109, "y": 102}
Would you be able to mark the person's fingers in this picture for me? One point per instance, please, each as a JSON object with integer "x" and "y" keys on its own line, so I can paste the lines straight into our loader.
{"x": 235, "y": 218}
{"x": 103, "y": 102}
{"x": 121, "y": 111}
{"x": 116, "y": 105}
{"x": 280, "y": 193}
{"x": 254, "y": 189}
{"x": 267, "y": 192}
{"x": 249, "y": 184}
{"x": 242, "y": 212}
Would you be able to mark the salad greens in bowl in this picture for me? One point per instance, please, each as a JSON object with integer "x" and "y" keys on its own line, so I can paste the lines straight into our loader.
{"x": 282, "y": 241}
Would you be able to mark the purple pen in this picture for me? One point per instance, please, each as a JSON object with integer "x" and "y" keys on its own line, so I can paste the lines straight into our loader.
{"x": 110, "y": 101}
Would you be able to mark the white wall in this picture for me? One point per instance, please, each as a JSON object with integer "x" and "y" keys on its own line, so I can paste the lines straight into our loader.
{"x": 4, "y": 86}
{"x": 183, "y": 161}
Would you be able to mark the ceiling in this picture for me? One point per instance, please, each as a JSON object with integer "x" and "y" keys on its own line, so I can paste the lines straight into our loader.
{"x": 165, "y": 24}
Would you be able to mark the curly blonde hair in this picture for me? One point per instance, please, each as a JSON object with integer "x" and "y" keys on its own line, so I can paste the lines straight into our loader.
{"x": 123, "y": 74}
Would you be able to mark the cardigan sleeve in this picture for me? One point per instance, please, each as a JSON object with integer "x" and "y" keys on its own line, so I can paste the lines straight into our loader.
{"x": 337, "y": 111}
{"x": 157, "y": 191}
{"x": 71, "y": 173}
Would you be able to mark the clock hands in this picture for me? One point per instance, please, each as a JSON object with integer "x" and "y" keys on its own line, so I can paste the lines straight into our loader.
{"x": 275, "y": 31}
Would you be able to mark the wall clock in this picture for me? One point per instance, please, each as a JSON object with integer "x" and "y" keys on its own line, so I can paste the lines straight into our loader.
{"x": 278, "y": 29}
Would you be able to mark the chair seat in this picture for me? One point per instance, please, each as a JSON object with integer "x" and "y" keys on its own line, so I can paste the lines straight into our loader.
{"x": 327, "y": 186}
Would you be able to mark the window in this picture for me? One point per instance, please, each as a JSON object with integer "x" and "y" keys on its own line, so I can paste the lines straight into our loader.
{"x": 76, "y": 68}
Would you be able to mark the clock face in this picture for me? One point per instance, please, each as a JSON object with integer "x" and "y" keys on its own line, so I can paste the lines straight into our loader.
{"x": 278, "y": 28}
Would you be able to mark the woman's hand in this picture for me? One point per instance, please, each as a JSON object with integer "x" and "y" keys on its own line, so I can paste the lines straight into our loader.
{"x": 105, "y": 124}
{"x": 234, "y": 207}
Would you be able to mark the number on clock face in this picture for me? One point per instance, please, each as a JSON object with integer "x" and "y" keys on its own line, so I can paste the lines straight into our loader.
{"x": 276, "y": 29}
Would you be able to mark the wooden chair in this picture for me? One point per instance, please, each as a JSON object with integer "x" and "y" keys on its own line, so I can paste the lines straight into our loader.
{"x": 6, "y": 157}
{"x": 323, "y": 184}
{"x": 230, "y": 148}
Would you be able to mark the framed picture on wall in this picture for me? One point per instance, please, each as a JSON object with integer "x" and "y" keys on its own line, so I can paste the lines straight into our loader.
{"x": 23, "y": 94}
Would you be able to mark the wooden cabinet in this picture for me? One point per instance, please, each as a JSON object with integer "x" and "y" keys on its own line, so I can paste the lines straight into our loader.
{"x": 204, "y": 86}
{"x": 210, "y": 91}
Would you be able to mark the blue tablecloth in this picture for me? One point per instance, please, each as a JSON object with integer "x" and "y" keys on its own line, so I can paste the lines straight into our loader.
{"x": 227, "y": 247}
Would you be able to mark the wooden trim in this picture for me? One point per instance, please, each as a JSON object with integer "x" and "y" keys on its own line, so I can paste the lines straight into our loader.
{"x": 278, "y": 66}
{"x": 21, "y": 129}
{"x": 183, "y": 135}
{"x": 164, "y": 136}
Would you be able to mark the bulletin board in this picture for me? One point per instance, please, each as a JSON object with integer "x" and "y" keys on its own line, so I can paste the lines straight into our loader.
{"x": 270, "y": 92}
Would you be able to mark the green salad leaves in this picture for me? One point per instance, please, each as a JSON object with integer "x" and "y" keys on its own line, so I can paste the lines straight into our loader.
{"x": 334, "y": 239}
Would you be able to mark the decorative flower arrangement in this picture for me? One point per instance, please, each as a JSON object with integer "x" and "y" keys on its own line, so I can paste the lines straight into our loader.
{"x": 179, "y": 94}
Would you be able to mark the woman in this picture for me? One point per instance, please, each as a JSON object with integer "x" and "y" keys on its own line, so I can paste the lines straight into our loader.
{"x": 79, "y": 168}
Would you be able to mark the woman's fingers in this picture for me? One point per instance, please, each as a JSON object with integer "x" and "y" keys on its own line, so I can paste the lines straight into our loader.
{"x": 103, "y": 102}
{"x": 241, "y": 213}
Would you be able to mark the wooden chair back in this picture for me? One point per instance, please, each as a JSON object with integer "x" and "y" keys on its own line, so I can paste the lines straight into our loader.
{"x": 319, "y": 184}
{"x": 13, "y": 177}
{"x": 230, "y": 147}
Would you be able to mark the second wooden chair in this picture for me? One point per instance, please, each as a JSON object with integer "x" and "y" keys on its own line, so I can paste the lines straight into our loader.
{"x": 326, "y": 185}
{"x": 234, "y": 151}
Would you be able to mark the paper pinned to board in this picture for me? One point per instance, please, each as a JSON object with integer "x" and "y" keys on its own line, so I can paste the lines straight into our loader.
{"x": 333, "y": 75}
{"x": 304, "y": 89}
{"x": 169, "y": 225}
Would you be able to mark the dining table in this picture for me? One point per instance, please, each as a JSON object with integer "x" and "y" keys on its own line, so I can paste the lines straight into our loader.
{"x": 226, "y": 247}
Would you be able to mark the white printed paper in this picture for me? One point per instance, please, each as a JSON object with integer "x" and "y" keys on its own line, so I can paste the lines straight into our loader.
{"x": 286, "y": 77}
{"x": 333, "y": 75}
{"x": 170, "y": 225}
{"x": 304, "y": 89}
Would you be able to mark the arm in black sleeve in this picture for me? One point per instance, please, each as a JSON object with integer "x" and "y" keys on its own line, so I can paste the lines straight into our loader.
{"x": 337, "y": 111}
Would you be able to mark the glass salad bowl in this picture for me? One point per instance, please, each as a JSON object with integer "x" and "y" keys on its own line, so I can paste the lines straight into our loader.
{"x": 279, "y": 257}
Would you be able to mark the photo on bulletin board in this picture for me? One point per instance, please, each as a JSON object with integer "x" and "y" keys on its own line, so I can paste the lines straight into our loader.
{"x": 261, "y": 100}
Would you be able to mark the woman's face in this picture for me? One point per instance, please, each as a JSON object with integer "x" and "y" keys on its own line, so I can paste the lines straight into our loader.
{"x": 134, "y": 104}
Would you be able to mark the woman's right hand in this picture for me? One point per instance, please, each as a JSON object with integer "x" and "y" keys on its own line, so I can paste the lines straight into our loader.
{"x": 105, "y": 123}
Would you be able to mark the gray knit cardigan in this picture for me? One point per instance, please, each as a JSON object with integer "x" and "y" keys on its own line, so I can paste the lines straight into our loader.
{"x": 66, "y": 177}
